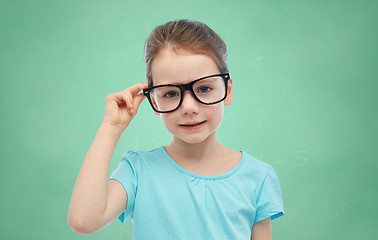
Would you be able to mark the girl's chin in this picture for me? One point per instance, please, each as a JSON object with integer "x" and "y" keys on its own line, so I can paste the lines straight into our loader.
{"x": 192, "y": 141}
{"x": 199, "y": 139}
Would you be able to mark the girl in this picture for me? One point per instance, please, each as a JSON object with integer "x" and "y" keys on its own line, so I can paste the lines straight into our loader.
{"x": 194, "y": 187}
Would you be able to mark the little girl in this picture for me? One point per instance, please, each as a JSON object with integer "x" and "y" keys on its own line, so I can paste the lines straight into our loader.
{"x": 194, "y": 187}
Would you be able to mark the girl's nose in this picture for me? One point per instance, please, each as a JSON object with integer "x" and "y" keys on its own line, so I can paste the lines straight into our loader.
{"x": 189, "y": 104}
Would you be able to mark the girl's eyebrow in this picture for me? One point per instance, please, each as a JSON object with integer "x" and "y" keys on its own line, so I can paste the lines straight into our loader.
{"x": 187, "y": 82}
{"x": 177, "y": 83}
{"x": 174, "y": 83}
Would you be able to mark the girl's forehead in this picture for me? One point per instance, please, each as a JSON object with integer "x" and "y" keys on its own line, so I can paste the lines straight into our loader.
{"x": 170, "y": 67}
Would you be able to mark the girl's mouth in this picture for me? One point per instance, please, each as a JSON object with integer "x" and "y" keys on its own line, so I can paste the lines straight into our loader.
{"x": 192, "y": 125}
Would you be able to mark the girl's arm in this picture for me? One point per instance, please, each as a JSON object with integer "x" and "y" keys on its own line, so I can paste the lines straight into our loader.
{"x": 95, "y": 201}
{"x": 262, "y": 230}
{"x": 89, "y": 197}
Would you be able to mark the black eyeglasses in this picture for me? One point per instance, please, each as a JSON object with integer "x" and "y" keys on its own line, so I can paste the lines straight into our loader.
{"x": 206, "y": 90}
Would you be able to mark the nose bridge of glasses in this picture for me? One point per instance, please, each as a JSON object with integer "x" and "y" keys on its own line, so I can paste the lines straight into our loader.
{"x": 186, "y": 86}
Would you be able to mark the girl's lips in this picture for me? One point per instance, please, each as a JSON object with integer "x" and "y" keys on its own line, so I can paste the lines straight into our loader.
{"x": 192, "y": 125}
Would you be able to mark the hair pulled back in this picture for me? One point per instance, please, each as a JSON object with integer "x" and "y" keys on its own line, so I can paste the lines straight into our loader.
{"x": 188, "y": 35}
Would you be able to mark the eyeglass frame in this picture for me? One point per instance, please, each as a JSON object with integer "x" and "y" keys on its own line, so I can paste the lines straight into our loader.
{"x": 187, "y": 86}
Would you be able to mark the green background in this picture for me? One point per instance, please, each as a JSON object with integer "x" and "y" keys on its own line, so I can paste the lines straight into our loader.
{"x": 305, "y": 82}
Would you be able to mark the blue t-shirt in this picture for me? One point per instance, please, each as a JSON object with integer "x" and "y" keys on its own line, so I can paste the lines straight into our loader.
{"x": 165, "y": 201}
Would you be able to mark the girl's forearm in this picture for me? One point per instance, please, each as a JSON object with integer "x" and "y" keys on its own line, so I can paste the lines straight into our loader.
{"x": 88, "y": 201}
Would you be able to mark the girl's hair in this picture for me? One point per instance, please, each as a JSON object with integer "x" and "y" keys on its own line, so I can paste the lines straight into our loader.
{"x": 189, "y": 35}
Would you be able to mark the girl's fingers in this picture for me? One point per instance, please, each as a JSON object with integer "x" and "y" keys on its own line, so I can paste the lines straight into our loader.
{"x": 137, "y": 100}
{"x": 118, "y": 98}
{"x": 129, "y": 94}
{"x": 130, "y": 97}
{"x": 123, "y": 98}
{"x": 129, "y": 101}
{"x": 121, "y": 107}
{"x": 137, "y": 88}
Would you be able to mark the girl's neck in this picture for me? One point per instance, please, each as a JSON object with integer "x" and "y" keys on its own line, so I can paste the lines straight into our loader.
{"x": 197, "y": 152}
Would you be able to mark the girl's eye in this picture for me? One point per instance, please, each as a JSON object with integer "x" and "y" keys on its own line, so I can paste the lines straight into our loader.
{"x": 171, "y": 94}
{"x": 204, "y": 89}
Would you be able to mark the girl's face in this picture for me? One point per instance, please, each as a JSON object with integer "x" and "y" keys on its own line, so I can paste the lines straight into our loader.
{"x": 192, "y": 122}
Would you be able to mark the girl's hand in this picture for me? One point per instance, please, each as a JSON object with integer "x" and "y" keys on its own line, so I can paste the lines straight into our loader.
{"x": 121, "y": 107}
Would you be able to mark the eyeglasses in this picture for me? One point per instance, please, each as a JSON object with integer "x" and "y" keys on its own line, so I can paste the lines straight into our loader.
{"x": 206, "y": 90}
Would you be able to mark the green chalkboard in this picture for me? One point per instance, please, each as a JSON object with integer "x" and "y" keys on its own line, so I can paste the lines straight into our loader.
{"x": 305, "y": 101}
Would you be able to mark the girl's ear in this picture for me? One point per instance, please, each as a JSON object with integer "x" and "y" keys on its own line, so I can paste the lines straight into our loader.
{"x": 230, "y": 93}
{"x": 156, "y": 113}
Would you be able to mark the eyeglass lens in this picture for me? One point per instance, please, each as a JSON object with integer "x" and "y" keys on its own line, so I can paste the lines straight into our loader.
{"x": 208, "y": 90}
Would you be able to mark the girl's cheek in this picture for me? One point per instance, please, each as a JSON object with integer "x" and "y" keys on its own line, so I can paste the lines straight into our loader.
{"x": 168, "y": 120}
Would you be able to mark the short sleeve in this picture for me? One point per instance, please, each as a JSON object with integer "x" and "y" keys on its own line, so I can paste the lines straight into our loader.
{"x": 269, "y": 201}
{"x": 126, "y": 174}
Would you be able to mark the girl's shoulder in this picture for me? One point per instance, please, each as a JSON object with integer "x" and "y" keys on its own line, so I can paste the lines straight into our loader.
{"x": 143, "y": 153}
{"x": 255, "y": 166}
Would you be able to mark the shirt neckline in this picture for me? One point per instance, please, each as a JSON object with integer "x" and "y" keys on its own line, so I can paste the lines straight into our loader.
{"x": 205, "y": 177}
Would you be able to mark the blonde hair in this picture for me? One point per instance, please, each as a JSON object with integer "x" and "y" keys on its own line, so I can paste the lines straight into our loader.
{"x": 189, "y": 35}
